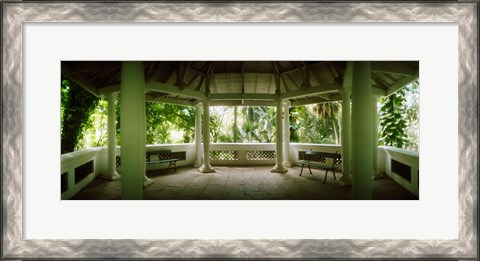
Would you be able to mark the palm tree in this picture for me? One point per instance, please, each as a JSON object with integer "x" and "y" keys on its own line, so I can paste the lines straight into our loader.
{"x": 328, "y": 113}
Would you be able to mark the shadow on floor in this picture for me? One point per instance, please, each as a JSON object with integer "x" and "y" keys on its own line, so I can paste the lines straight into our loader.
{"x": 243, "y": 183}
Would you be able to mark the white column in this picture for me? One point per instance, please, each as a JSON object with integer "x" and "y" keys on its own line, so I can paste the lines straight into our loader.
{"x": 362, "y": 128}
{"x": 286, "y": 134}
{"x": 198, "y": 135}
{"x": 206, "y": 167}
{"x": 376, "y": 174}
{"x": 132, "y": 129}
{"x": 279, "y": 168}
{"x": 112, "y": 139}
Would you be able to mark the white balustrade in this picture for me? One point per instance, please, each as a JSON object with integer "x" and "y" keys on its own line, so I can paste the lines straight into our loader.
{"x": 243, "y": 154}
{"x": 228, "y": 154}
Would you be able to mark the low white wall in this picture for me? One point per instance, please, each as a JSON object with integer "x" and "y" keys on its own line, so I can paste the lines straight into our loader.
{"x": 407, "y": 157}
{"x": 70, "y": 161}
{"x": 75, "y": 159}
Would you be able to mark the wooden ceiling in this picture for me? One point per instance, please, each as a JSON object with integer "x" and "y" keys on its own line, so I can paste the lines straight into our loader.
{"x": 240, "y": 82}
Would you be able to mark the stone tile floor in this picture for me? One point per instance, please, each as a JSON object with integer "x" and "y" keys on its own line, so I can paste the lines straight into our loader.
{"x": 243, "y": 183}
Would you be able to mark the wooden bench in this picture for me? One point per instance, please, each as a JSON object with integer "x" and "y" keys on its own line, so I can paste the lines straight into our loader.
{"x": 161, "y": 158}
{"x": 318, "y": 159}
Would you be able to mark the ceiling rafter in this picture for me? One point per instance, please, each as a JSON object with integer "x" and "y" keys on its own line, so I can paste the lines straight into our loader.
{"x": 200, "y": 84}
{"x": 243, "y": 77}
{"x": 151, "y": 73}
{"x": 197, "y": 73}
{"x": 314, "y": 90}
{"x": 182, "y": 74}
{"x": 256, "y": 78}
{"x": 88, "y": 66}
{"x": 209, "y": 79}
{"x": 305, "y": 75}
{"x": 400, "y": 83}
{"x": 288, "y": 75}
{"x": 173, "y": 89}
{"x": 227, "y": 79}
{"x": 404, "y": 69}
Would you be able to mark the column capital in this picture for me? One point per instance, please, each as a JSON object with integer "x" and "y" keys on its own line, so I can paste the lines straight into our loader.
{"x": 198, "y": 104}
{"x": 346, "y": 90}
{"x": 286, "y": 103}
{"x": 113, "y": 95}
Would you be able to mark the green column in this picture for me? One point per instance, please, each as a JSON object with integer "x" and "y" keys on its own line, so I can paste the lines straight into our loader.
{"x": 132, "y": 129}
{"x": 346, "y": 179}
{"x": 362, "y": 129}
{"x": 112, "y": 139}
{"x": 375, "y": 172}
{"x": 279, "y": 168}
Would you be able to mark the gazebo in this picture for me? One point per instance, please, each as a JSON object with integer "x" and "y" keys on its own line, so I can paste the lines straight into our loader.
{"x": 243, "y": 83}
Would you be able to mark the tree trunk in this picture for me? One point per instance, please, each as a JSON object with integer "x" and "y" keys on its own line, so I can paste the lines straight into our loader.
{"x": 335, "y": 132}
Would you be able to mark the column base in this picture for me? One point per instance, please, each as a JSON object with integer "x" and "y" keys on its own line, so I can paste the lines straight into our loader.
{"x": 378, "y": 175}
{"x": 146, "y": 181}
{"x": 206, "y": 169}
{"x": 279, "y": 169}
{"x": 345, "y": 182}
{"x": 197, "y": 164}
{"x": 111, "y": 177}
{"x": 287, "y": 164}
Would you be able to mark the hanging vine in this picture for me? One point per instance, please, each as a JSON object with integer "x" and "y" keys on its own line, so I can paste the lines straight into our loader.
{"x": 76, "y": 106}
{"x": 392, "y": 120}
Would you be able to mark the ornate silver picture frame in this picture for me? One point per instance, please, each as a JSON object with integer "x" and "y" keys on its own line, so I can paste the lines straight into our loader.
{"x": 15, "y": 14}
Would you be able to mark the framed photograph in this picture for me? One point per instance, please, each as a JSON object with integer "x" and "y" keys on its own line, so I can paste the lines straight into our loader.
{"x": 38, "y": 36}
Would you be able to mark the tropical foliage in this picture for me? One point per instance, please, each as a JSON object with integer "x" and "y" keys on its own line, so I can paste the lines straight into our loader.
{"x": 398, "y": 118}
{"x": 84, "y": 121}
{"x": 76, "y": 107}
{"x": 309, "y": 125}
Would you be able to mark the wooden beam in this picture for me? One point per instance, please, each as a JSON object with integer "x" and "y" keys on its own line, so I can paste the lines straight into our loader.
{"x": 394, "y": 67}
{"x": 379, "y": 91}
{"x": 304, "y": 70}
{"x": 289, "y": 76}
{"x": 82, "y": 67}
{"x": 104, "y": 91}
{"x": 205, "y": 66}
{"x": 168, "y": 88}
{"x": 242, "y": 103}
{"x": 400, "y": 83}
{"x": 208, "y": 80}
{"x": 169, "y": 100}
{"x": 306, "y": 101}
{"x": 78, "y": 79}
{"x": 243, "y": 77}
{"x": 242, "y": 96}
{"x": 325, "y": 88}
{"x": 65, "y": 69}
{"x": 152, "y": 72}
{"x": 182, "y": 74}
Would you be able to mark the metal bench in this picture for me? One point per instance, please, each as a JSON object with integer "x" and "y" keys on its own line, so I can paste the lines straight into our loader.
{"x": 318, "y": 159}
{"x": 162, "y": 157}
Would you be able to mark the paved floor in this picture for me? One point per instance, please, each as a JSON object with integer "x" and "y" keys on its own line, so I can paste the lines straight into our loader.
{"x": 243, "y": 183}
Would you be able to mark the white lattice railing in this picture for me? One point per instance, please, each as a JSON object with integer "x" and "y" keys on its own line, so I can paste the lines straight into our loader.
{"x": 242, "y": 153}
